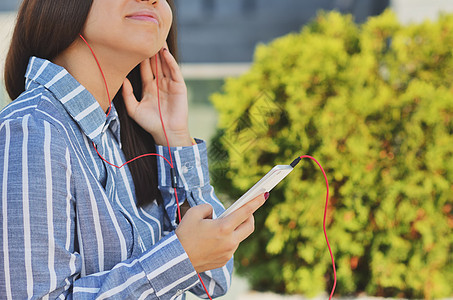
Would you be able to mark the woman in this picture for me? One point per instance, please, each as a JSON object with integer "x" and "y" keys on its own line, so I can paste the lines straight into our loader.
{"x": 74, "y": 225}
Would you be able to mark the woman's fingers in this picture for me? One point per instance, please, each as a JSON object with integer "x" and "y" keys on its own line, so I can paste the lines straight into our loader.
{"x": 152, "y": 63}
{"x": 146, "y": 71}
{"x": 130, "y": 101}
{"x": 245, "y": 229}
{"x": 235, "y": 219}
{"x": 202, "y": 211}
{"x": 147, "y": 75}
{"x": 160, "y": 73}
{"x": 164, "y": 63}
{"x": 173, "y": 67}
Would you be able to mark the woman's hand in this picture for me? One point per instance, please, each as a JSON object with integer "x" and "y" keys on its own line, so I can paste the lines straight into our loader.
{"x": 173, "y": 100}
{"x": 210, "y": 244}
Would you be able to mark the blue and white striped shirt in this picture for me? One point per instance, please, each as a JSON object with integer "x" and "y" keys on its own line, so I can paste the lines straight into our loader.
{"x": 70, "y": 226}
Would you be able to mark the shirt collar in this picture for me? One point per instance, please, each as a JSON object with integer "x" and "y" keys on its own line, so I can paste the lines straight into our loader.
{"x": 78, "y": 102}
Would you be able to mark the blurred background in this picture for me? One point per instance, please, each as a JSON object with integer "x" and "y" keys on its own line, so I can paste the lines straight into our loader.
{"x": 217, "y": 40}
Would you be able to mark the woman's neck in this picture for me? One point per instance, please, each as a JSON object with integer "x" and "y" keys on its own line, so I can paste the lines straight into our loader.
{"x": 81, "y": 64}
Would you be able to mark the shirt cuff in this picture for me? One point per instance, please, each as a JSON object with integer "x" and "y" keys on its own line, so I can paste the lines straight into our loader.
{"x": 170, "y": 273}
{"x": 191, "y": 165}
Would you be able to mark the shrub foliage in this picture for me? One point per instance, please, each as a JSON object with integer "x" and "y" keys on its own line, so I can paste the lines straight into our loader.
{"x": 374, "y": 104}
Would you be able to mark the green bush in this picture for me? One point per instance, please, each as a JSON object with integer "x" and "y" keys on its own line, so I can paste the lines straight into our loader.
{"x": 374, "y": 104}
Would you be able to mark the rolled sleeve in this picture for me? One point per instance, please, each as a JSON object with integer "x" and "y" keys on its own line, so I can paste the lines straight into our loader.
{"x": 164, "y": 272}
{"x": 170, "y": 273}
{"x": 191, "y": 164}
{"x": 192, "y": 172}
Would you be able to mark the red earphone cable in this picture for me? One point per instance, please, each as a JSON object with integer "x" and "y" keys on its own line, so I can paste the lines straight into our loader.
{"x": 100, "y": 69}
{"x": 144, "y": 155}
{"x": 169, "y": 151}
{"x": 324, "y": 223}
{"x": 171, "y": 164}
{"x": 135, "y": 158}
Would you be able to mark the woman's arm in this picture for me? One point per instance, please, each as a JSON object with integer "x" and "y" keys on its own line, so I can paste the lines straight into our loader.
{"x": 38, "y": 250}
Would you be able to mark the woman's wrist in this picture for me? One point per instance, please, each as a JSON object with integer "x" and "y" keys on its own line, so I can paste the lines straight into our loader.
{"x": 175, "y": 140}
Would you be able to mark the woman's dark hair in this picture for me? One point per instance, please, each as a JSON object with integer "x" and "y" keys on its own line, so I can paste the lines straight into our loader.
{"x": 44, "y": 29}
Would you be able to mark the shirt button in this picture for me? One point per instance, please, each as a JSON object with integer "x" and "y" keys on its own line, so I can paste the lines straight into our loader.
{"x": 179, "y": 292}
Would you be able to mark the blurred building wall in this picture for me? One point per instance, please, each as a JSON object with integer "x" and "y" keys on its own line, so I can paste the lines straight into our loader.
{"x": 418, "y": 10}
{"x": 228, "y": 31}
{"x": 8, "y": 5}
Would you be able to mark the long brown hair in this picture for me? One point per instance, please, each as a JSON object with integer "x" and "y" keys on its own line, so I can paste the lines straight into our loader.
{"x": 44, "y": 29}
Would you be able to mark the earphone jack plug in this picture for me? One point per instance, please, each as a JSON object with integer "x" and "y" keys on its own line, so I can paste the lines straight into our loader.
{"x": 295, "y": 162}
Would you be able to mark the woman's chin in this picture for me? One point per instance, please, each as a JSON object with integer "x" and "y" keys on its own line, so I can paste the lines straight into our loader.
{"x": 146, "y": 53}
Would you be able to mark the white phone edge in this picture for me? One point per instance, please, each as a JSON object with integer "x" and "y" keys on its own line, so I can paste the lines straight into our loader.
{"x": 265, "y": 184}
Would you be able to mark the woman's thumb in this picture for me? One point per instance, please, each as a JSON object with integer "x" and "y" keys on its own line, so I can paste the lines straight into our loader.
{"x": 203, "y": 211}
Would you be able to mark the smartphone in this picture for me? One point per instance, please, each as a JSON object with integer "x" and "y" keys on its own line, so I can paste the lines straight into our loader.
{"x": 265, "y": 184}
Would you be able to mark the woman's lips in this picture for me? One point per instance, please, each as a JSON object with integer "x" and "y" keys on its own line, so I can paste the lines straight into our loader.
{"x": 144, "y": 17}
